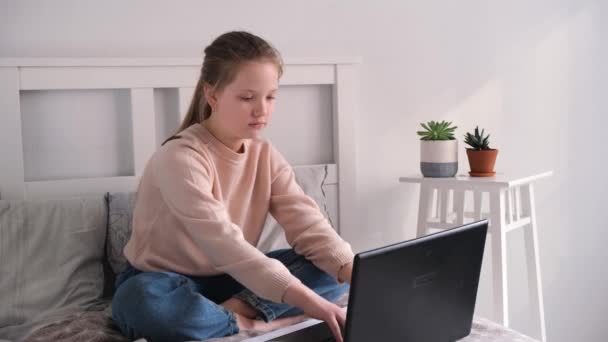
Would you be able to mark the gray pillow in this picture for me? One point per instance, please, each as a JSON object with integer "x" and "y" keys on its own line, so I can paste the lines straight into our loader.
{"x": 51, "y": 254}
{"x": 121, "y": 204}
{"x": 120, "y": 216}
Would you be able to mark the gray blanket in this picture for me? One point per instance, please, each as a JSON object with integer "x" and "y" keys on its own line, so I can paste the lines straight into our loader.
{"x": 97, "y": 326}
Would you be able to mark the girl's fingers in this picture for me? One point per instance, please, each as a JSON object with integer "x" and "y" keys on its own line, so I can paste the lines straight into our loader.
{"x": 341, "y": 320}
{"x": 335, "y": 329}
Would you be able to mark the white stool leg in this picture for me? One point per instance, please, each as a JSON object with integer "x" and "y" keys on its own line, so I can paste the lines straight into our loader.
{"x": 424, "y": 207}
{"x": 532, "y": 258}
{"x": 517, "y": 204}
{"x": 499, "y": 256}
{"x": 510, "y": 208}
{"x": 477, "y": 204}
{"x": 459, "y": 205}
{"x": 443, "y": 205}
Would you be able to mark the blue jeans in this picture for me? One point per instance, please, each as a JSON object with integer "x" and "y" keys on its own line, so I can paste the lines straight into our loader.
{"x": 167, "y": 306}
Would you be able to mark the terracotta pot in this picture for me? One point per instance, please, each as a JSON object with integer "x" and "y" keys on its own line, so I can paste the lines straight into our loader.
{"x": 482, "y": 162}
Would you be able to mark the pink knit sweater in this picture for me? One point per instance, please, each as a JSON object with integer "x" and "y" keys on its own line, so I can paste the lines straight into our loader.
{"x": 201, "y": 207}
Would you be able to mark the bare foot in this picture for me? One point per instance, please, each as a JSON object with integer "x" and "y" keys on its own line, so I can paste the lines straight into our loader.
{"x": 240, "y": 307}
{"x": 245, "y": 323}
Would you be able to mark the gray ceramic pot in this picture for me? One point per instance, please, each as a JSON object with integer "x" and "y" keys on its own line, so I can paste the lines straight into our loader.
{"x": 439, "y": 158}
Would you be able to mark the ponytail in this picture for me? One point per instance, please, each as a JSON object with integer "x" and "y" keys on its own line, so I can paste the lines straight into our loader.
{"x": 199, "y": 109}
{"x": 194, "y": 114}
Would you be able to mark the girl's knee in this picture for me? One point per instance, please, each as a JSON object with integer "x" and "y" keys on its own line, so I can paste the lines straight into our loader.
{"x": 167, "y": 306}
{"x": 141, "y": 302}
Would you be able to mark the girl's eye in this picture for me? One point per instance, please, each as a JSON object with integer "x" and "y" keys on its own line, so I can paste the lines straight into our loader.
{"x": 245, "y": 98}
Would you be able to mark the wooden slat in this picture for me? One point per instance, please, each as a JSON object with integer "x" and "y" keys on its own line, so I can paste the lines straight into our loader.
{"x": 11, "y": 140}
{"x": 477, "y": 198}
{"x": 154, "y": 61}
{"x": 185, "y": 95}
{"x": 499, "y": 256}
{"x": 517, "y": 203}
{"x": 510, "y": 207}
{"x": 345, "y": 114}
{"x": 74, "y": 187}
{"x": 425, "y": 203}
{"x": 144, "y": 127}
{"x": 99, "y": 62}
{"x": 443, "y": 205}
{"x": 535, "y": 287}
{"x": 44, "y": 78}
{"x": 459, "y": 198}
{"x": 118, "y": 77}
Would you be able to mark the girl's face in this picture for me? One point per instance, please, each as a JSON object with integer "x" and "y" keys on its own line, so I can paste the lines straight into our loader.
{"x": 244, "y": 107}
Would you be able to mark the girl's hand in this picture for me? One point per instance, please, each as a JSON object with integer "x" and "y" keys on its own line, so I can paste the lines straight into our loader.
{"x": 333, "y": 315}
{"x": 346, "y": 273}
{"x": 317, "y": 307}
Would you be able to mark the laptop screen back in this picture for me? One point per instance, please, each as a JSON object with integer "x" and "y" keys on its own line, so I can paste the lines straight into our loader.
{"x": 419, "y": 290}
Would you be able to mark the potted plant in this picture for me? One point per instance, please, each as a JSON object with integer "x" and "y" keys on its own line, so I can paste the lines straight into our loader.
{"x": 438, "y": 149}
{"x": 482, "y": 158}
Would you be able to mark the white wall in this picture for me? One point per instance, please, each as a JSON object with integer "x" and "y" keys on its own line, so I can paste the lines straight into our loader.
{"x": 531, "y": 72}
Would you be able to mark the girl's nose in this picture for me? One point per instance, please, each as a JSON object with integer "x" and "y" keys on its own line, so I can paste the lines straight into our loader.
{"x": 260, "y": 109}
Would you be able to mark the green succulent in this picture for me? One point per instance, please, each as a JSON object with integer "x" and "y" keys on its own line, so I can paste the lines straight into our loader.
{"x": 437, "y": 131}
{"x": 477, "y": 141}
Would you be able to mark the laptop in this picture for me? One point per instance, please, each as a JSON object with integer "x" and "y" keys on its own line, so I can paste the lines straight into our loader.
{"x": 418, "y": 290}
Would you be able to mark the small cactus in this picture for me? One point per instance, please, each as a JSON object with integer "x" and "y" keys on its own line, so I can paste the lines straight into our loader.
{"x": 477, "y": 141}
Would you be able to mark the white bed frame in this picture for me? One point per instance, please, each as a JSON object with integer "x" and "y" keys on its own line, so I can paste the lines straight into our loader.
{"x": 141, "y": 76}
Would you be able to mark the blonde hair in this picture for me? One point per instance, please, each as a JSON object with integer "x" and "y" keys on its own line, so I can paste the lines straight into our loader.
{"x": 223, "y": 57}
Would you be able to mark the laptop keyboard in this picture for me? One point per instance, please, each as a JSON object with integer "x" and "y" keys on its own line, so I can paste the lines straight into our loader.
{"x": 315, "y": 333}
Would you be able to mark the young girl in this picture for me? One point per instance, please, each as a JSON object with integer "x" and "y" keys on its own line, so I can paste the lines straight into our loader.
{"x": 194, "y": 270}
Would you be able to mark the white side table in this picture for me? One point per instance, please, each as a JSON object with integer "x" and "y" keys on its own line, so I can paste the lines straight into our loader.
{"x": 511, "y": 207}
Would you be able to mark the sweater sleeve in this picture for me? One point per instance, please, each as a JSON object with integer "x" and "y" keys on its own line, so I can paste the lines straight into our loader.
{"x": 306, "y": 229}
{"x": 184, "y": 179}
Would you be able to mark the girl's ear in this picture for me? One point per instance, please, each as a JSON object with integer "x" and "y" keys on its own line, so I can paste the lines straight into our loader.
{"x": 210, "y": 95}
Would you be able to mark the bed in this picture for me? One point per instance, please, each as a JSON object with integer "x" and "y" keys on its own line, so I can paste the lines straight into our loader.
{"x": 76, "y": 134}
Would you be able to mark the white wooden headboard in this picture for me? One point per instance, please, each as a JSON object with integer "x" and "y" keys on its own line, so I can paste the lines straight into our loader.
{"x": 140, "y": 77}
